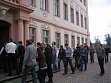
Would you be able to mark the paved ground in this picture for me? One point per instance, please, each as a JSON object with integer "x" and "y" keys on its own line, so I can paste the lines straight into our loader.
{"x": 89, "y": 76}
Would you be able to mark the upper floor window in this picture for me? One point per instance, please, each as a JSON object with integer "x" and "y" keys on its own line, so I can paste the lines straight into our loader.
{"x": 66, "y": 39}
{"x": 85, "y": 20}
{"x": 81, "y": 20}
{"x": 81, "y": 0}
{"x": 85, "y": 2}
{"x": 45, "y": 36}
{"x": 58, "y": 39}
{"x": 72, "y": 15}
{"x": 56, "y": 8}
{"x": 32, "y": 2}
{"x": 44, "y": 4}
{"x": 65, "y": 9}
{"x": 77, "y": 17}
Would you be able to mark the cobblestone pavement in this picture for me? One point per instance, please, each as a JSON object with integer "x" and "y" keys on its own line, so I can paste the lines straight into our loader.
{"x": 89, "y": 76}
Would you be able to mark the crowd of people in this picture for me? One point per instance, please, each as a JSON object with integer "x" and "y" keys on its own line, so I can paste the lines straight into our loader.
{"x": 14, "y": 56}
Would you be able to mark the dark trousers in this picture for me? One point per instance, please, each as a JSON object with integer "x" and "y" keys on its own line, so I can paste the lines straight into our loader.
{"x": 76, "y": 62}
{"x": 49, "y": 72}
{"x": 12, "y": 63}
{"x": 41, "y": 75}
{"x": 5, "y": 63}
{"x": 106, "y": 58}
{"x": 20, "y": 63}
{"x": 69, "y": 60}
{"x": 92, "y": 57}
{"x": 101, "y": 64}
{"x": 64, "y": 63}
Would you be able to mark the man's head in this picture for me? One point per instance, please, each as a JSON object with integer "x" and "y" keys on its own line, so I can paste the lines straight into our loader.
{"x": 53, "y": 43}
{"x": 66, "y": 45}
{"x": 61, "y": 47}
{"x": 38, "y": 44}
{"x": 28, "y": 42}
{"x": 20, "y": 42}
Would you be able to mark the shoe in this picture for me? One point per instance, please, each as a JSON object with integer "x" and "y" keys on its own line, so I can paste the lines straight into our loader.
{"x": 49, "y": 82}
{"x": 9, "y": 74}
{"x": 64, "y": 74}
{"x": 101, "y": 74}
{"x": 73, "y": 73}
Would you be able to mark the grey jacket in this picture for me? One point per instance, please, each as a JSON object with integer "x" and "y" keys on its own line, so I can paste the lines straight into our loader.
{"x": 30, "y": 56}
{"x": 69, "y": 52}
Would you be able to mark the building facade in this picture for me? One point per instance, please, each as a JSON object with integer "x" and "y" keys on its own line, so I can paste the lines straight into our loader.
{"x": 62, "y": 21}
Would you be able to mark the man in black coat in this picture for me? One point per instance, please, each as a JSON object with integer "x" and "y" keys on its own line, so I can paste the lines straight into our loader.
{"x": 48, "y": 54}
{"x": 62, "y": 56}
{"x": 20, "y": 54}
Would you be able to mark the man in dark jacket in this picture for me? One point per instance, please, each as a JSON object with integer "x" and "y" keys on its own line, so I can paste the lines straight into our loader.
{"x": 21, "y": 51}
{"x": 101, "y": 54}
{"x": 62, "y": 56}
{"x": 48, "y": 54}
{"x": 42, "y": 63}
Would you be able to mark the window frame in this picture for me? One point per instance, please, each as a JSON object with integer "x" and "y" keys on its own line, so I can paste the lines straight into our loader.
{"x": 32, "y": 35}
{"x": 73, "y": 41}
{"x": 58, "y": 38}
{"x": 81, "y": 20}
{"x": 77, "y": 18}
{"x": 44, "y": 5}
{"x": 65, "y": 9}
{"x": 66, "y": 39}
{"x": 72, "y": 14}
{"x": 57, "y": 8}
{"x": 44, "y": 36}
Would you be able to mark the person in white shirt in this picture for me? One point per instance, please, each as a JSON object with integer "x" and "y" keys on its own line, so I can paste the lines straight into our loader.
{"x": 11, "y": 56}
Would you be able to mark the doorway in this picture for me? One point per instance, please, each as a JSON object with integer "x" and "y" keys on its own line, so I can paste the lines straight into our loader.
{"x": 4, "y": 32}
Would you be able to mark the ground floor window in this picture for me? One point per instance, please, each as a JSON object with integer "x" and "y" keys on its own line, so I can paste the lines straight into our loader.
{"x": 66, "y": 39}
{"x": 73, "y": 41}
{"x": 58, "y": 39}
{"x": 32, "y": 34}
{"x": 45, "y": 36}
{"x": 82, "y": 39}
{"x": 78, "y": 40}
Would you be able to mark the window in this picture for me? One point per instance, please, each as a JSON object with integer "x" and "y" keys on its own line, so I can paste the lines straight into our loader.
{"x": 82, "y": 40}
{"x": 44, "y": 4}
{"x": 85, "y": 2}
{"x": 77, "y": 18}
{"x": 65, "y": 11}
{"x": 85, "y": 20}
{"x": 72, "y": 15}
{"x": 32, "y": 34}
{"x": 81, "y": 0}
{"x": 82, "y": 21}
{"x": 66, "y": 39}
{"x": 45, "y": 36}
{"x": 31, "y": 2}
{"x": 58, "y": 39}
{"x": 86, "y": 40}
{"x": 56, "y": 8}
{"x": 78, "y": 40}
{"x": 73, "y": 41}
